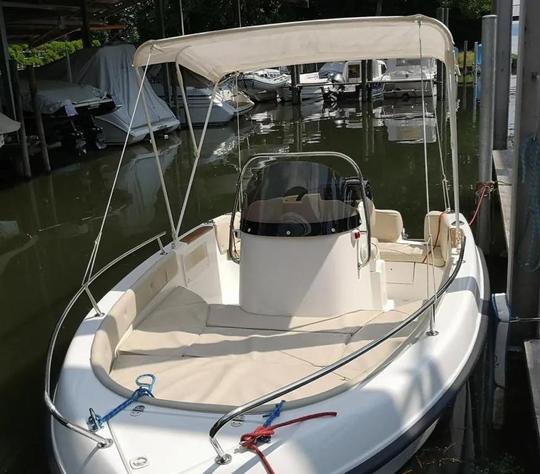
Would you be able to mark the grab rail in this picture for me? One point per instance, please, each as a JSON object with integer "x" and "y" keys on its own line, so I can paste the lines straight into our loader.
{"x": 223, "y": 458}
{"x": 100, "y": 440}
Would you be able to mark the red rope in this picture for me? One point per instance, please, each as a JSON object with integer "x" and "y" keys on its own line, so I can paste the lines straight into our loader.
{"x": 483, "y": 189}
{"x": 249, "y": 440}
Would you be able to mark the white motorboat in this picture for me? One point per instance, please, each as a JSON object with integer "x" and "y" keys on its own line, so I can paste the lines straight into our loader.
{"x": 347, "y": 78}
{"x": 311, "y": 86}
{"x": 305, "y": 293}
{"x": 226, "y": 105}
{"x": 406, "y": 77}
{"x": 263, "y": 85}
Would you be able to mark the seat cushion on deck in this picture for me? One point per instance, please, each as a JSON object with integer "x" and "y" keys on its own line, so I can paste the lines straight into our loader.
{"x": 215, "y": 357}
{"x": 409, "y": 252}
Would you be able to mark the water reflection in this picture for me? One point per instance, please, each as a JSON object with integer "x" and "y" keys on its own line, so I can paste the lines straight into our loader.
{"x": 48, "y": 225}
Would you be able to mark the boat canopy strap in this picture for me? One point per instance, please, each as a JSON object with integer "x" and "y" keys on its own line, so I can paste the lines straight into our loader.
{"x": 145, "y": 384}
{"x": 215, "y": 54}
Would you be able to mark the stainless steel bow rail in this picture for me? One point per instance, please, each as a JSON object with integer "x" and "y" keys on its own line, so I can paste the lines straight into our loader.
{"x": 224, "y": 458}
{"x": 100, "y": 440}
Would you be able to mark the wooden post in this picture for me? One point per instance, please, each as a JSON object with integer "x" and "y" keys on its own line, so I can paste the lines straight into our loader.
{"x": 85, "y": 25}
{"x": 502, "y": 74}
{"x": 523, "y": 281}
{"x": 464, "y": 68}
{"x": 8, "y": 100}
{"x": 39, "y": 119}
{"x": 161, "y": 5}
{"x": 23, "y": 139}
{"x": 295, "y": 85}
{"x": 370, "y": 80}
{"x": 364, "y": 80}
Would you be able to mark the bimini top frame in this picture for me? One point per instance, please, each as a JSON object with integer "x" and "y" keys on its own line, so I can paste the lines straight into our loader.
{"x": 217, "y": 54}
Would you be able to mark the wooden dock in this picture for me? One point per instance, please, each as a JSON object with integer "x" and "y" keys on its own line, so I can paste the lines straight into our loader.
{"x": 502, "y": 161}
{"x": 532, "y": 354}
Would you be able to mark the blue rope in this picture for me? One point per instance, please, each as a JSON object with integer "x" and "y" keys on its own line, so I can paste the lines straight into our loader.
{"x": 529, "y": 256}
{"x": 270, "y": 417}
{"x": 95, "y": 421}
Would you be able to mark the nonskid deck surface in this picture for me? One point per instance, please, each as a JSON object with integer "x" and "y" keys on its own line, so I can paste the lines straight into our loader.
{"x": 213, "y": 356}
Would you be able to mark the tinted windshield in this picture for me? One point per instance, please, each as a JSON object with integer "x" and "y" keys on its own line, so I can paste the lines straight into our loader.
{"x": 295, "y": 198}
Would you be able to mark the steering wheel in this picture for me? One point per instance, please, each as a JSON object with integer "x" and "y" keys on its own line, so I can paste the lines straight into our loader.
{"x": 301, "y": 227}
{"x": 299, "y": 191}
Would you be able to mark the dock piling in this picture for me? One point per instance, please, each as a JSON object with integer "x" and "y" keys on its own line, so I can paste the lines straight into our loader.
{"x": 39, "y": 119}
{"x": 502, "y": 75}
{"x": 23, "y": 139}
{"x": 489, "y": 41}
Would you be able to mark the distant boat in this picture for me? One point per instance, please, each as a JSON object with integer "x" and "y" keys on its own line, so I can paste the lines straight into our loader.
{"x": 312, "y": 87}
{"x": 347, "y": 77}
{"x": 403, "y": 77}
{"x": 70, "y": 112}
{"x": 7, "y": 126}
{"x": 110, "y": 68}
{"x": 263, "y": 85}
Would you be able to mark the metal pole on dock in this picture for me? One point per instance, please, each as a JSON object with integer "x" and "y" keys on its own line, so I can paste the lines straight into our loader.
{"x": 23, "y": 139}
{"x": 475, "y": 68}
{"x": 489, "y": 42}
{"x": 39, "y": 119}
{"x": 165, "y": 76}
{"x": 502, "y": 75}
{"x": 523, "y": 276}
{"x": 370, "y": 80}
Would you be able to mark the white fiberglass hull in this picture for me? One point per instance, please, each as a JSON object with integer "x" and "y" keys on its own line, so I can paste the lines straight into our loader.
{"x": 380, "y": 423}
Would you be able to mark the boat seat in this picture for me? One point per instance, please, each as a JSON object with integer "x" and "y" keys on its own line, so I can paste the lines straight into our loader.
{"x": 214, "y": 357}
{"x": 410, "y": 252}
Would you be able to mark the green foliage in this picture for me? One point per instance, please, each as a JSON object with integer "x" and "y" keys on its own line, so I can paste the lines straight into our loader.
{"x": 45, "y": 53}
{"x": 472, "y": 8}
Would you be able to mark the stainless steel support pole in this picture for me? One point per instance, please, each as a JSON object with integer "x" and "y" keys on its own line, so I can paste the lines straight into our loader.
{"x": 502, "y": 75}
{"x": 489, "y": 45}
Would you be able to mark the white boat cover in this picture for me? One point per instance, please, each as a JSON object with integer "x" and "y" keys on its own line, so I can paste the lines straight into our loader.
{"x": 215, "y": 54}
{"x": 8, "y": 125}
{"x": 109, "y": 68}
{"x": 53, "y": 95}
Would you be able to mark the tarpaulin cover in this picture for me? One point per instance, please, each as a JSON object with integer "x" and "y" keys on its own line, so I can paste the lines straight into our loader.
{"x": 110, "y": 68}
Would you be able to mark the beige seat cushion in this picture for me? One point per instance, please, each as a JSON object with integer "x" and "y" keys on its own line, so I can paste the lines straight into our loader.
{"x": 214, "y": 357}
{"x": 410, "y": 252}
{"x": 387, "y": 226}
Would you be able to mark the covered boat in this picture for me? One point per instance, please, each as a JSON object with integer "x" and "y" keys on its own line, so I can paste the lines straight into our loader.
{"x": 263, "y": 85}
{"x": 305, "y": 303}
{"x": 110, "y": 69}
{"x": 7, "y": 126}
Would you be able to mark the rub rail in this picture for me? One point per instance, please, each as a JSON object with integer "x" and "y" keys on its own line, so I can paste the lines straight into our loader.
{"x": 223, "y": 458}
{"x": 101, "y": 441}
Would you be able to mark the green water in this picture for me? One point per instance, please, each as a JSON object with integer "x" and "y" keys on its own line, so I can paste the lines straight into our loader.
{"x": 47, "y": 225}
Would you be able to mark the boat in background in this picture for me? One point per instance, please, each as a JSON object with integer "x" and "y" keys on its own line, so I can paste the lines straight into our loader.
{"x": 347, "y": 78}
{"x": 7, "y": 126}
{"x": 263, "y": 85}
{"x": 311, "y": 86}
{"x": 404, "y": 77}
{"x": 70, "y": 113}
{"x": 110, "y": 69}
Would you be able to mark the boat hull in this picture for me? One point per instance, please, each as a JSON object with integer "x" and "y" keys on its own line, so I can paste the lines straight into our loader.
{"x": 388, "y": 416}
